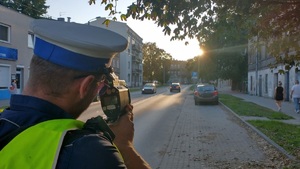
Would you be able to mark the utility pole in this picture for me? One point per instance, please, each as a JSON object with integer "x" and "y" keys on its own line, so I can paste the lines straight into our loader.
{"x": 256, "y": 69}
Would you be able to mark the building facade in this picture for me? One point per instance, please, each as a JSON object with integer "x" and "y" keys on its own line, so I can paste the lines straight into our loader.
{"x": 178, "y": 72}
{"x": 262, "y": 80}
{"x": 128, "y": 64}
{"x": 16, "y": 50}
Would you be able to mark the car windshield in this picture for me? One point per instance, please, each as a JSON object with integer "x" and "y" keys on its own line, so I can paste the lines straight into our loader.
{"x": 149, "y": 85}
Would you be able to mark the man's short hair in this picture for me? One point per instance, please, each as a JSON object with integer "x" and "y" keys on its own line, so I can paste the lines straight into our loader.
{"x": 54, "y": 79}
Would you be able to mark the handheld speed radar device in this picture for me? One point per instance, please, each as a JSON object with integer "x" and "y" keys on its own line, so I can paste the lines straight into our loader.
{"x": 114, "y": 97}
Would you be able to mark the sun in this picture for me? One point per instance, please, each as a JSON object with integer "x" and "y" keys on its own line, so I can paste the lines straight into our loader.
{"x": 201, "y": 52}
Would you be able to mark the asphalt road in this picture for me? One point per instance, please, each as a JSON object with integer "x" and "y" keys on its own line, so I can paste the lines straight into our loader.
{"x": 172, "y": 132}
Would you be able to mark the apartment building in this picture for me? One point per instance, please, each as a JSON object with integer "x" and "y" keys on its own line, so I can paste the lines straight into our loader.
{"x": 16, "y": 50}
{"x": 128, "y": 64}
{"x": 178, "y": 73}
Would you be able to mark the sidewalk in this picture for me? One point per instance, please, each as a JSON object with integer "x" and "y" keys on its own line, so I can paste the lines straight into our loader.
{"x": 287, "y": 107}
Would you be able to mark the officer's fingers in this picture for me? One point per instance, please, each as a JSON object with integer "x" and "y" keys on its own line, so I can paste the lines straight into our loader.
{"x": 130, "y": 116}
{"x": 129, "y": 107}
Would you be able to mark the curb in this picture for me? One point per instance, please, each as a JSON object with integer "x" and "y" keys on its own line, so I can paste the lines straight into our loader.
{"x": 279, "y": 148}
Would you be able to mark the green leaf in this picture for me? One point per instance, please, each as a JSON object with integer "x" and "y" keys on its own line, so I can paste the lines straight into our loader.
{"x": 109, "y": 7}
{"x": 106, "y": 22}
{"x": 123, "y": 17}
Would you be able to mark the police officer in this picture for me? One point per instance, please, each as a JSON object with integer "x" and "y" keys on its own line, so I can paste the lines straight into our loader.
{"x": 40, "y": 129}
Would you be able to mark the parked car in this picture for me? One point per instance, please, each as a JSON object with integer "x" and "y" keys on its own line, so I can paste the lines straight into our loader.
{"x": 149, "y": 88}
{"x": 175, "y": 87}
{"x": 206, "y": 93}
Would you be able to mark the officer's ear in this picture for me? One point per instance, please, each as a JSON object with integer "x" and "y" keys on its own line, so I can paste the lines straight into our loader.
{"x": 85, "y": 85}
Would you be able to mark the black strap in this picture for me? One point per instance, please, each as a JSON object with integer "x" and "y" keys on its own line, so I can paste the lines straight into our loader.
{"x": 94, "y": 125}
{"x": 97, "y": 124}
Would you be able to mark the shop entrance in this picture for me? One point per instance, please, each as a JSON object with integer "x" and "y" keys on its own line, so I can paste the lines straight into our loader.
{"x": 20, "y": 79}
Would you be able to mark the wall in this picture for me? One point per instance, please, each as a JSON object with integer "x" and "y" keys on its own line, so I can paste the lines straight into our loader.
{"x": 266, "y": 86}
{"x": 19, "y": 68}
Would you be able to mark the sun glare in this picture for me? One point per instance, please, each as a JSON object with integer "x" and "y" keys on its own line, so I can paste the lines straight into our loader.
{"x": 201, "y": 52}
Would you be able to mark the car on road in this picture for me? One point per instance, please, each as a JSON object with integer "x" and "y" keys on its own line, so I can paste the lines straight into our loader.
{"x": 149, "y": 88}
{"x": 175, "y": 87}
{"x": 206, "y": 93}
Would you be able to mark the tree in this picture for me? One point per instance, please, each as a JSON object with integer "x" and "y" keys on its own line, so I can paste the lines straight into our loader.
{"x": 226, "y": 43}
{"x": 32, "y": 8}
{"x": 270, "y": 19}
{"x": 191, "y": 66}
{"x": 155, "y": 62}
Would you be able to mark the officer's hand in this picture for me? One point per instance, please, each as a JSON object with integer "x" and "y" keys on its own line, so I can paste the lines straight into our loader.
{"x": 124, "y": 131}
{"x": 124, "y": 128}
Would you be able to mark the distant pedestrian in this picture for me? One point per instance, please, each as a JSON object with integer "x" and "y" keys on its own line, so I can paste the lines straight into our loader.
{"x": 13, "y": 87}
{"x": 295, "y": 95}
{"x": 279, "y": 94}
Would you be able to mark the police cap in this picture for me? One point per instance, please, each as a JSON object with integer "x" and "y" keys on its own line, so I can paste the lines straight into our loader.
{"x": 76, "y": 46}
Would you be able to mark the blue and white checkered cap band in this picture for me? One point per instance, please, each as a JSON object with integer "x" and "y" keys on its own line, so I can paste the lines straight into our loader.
{"x": 67, "y": 58}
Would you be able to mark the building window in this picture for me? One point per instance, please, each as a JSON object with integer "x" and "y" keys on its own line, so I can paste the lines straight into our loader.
{"x": 4, "y": 33}
{"x": 128, "y": 64}
{"x": 30, "y": 40}
{"x": 128, "y": 78}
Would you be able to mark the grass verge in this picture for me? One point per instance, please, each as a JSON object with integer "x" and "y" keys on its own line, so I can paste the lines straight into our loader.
{"x": 285, "y": 135}
{"x": 244, "y": 108}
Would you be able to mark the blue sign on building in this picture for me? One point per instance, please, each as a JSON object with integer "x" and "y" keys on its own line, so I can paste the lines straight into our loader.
{"x": 4, "y": 95}
{"x": 8, "y": 53}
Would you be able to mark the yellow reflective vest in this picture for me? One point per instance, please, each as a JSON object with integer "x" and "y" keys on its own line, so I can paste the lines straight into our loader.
{"x": 38, "y": 146}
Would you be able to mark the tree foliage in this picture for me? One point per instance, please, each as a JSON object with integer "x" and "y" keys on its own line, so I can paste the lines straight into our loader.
{"x": 275, "y": 21}
{"x": 225, "y": 46}
{"x": 156, "y": 62}
{"x": 32, "y": 8}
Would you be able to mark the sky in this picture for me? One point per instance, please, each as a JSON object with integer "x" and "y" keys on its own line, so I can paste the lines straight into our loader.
{"x": 81, "y": 12}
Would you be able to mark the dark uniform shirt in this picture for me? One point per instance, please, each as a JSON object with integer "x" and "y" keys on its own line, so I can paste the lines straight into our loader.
{"x": 89, "y": 150}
